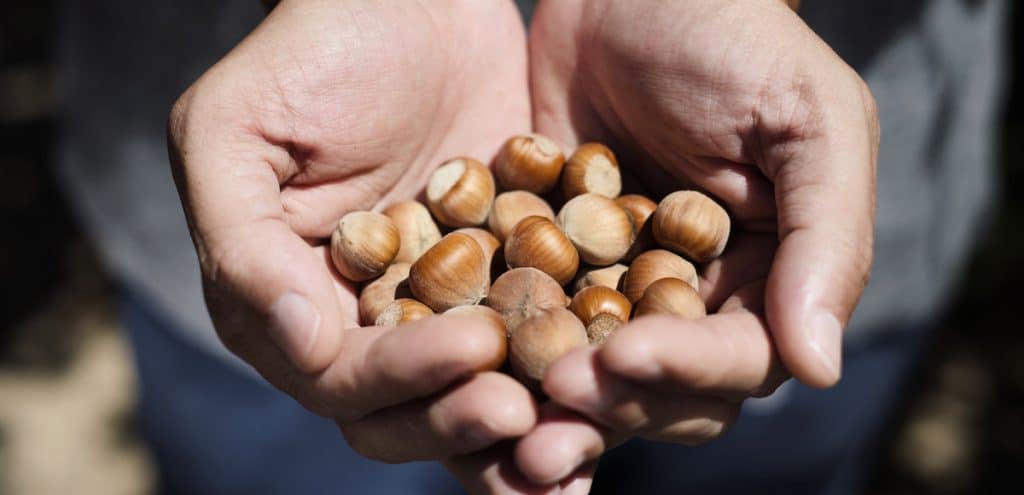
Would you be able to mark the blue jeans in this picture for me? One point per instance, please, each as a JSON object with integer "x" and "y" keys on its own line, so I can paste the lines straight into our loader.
{"x": 213, "y": 430}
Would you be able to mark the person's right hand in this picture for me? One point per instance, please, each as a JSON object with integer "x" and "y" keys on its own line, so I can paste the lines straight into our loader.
{"x": 329, "y": 107}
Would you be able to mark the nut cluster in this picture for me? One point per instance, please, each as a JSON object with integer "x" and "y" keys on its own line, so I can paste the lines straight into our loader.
{"x": 509, "y": 259}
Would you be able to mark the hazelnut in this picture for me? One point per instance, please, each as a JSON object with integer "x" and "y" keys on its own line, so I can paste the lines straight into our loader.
{"x": 488, "y": 243}
{"x": 452, "y": 273}
{"x": 382, "y": 291}
{"x": 608, "y": 276}
{"x": 402, "y": 311}
{"x": 601, "y": 327}
{"x": 536, "y": 242}
{"x": 671, "y": 296}
{"x": 691, "y": 224}
{"x": 541, "y": 339}
{"x": 639, "y": 208}
{"x": 654, "y": 265}
{"x": 599, "y": 228}
{"x": 511, "y": 207}
{"x": 494, "y": 321}
{"x": 460, "y": 192}
{"x": 592, "y": 168}
{"x": 529, "y": 162}
{"x": 592, "y": 301}
{"x": 415, "y": 227}
{"x": 519, "y": 292}
{"x": 363, "y": 245}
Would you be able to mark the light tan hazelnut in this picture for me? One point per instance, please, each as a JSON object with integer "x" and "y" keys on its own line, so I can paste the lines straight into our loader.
{"x": 600, "y": 229}
{"x": 601, "y": 327}
{"x": 654, "y": 265}
{"x": 541, "y": 339}
{"x": 415, "y": 227}
{"x": 608, "y": 276}
{"x": 691, "y": 224}
{"x": 402, "y": 311}
{"x": 363, "y": 245}
{"x": 639, "y": 208}
{"x": 452, "y": 273}
{"x": 494, "y": 321}
{"x": 530, "y": 162}
{"x": 460, "y": 192}
{"x": 513, "y": 206}
{"x": 536, "y": 242}
{"x": 670, "y": 296}
{"x": 519, "y": 292}
{"x": 592, "y": 301}
{"x": 382, "y": 291}
{"x": 592, "y": 168}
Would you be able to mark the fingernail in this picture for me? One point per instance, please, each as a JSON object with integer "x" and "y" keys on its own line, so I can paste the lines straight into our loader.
{"x": 825, "y": 337}
{"x": 294, "y": 322}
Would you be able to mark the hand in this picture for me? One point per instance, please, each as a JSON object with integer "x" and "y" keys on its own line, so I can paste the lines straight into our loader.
{"x": 742, "y": 100}
{"x": 325, "y": 108}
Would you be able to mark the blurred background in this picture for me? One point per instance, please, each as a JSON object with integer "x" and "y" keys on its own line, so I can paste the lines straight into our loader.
{"x": 66, "y": 376}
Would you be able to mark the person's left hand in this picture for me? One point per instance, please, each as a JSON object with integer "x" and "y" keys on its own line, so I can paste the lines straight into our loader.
{"x": 744, "y": 101}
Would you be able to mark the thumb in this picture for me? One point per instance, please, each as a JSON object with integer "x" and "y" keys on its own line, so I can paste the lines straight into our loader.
{"x": 261, "y": 279}
{"x": 824, "y": 192}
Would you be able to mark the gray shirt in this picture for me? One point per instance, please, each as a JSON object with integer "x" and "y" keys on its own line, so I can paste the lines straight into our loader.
{"x": 935, "y": 67}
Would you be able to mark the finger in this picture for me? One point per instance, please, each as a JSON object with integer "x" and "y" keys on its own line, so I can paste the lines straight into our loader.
{"x": 259, "y": 275}
{"x": 471, "y": 416}
{"x": 493, "y": 472}
{"x": 746, "y": 259}
{"x": 383, "y": 367}
{"x": 729, "y": 354}
{"x": 824, "y": 183}
{"x": 622, "y": 409}
{"x": 561, "y": 443}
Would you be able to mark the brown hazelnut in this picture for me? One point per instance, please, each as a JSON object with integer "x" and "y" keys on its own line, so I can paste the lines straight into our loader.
{"x": 671, "y": 296}
{"x": 592, "y": 168}
{"x": 541, "y": 339}
{"x": 452, "y": 273}
{"x": 402, "y": 311}
{"x": 529, "y": 162}
{"x": 639, "y": 208}
{"x": 592, "y": 301}
{"x": 382, "y": 291}
{"x": 599, "y": 228}
{"x": 536, "y": 242}
{"x": 519, "y": 292}
{"x": 513, "y": 206}
{"x": 691, "y": 224}
{"x": 608, "y": 276}
{"x": 654, "y": 265}
{"x": 363, "y": 245}
{"x": 488, "y": 243}
{"x": 460, "y": 192}
{"x": 415, "y": 227}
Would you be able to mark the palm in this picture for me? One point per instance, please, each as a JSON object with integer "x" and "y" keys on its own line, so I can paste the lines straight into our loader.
{"x": 679, "y": 117}
{"x": 353, "y": 122}
{"x": 742, "y": 100}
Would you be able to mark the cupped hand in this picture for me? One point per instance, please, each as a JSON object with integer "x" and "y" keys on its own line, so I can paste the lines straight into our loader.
{"x": 325, "y": 108}
{"x": 742, "y": 100}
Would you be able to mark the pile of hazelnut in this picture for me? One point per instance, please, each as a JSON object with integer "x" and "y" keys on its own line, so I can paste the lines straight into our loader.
{"x": 621, "y": 256}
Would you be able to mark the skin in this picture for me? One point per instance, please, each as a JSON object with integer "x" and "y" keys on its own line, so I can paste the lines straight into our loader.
{"x": 742, "y": 100}
{"x": 329, "y": 107}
